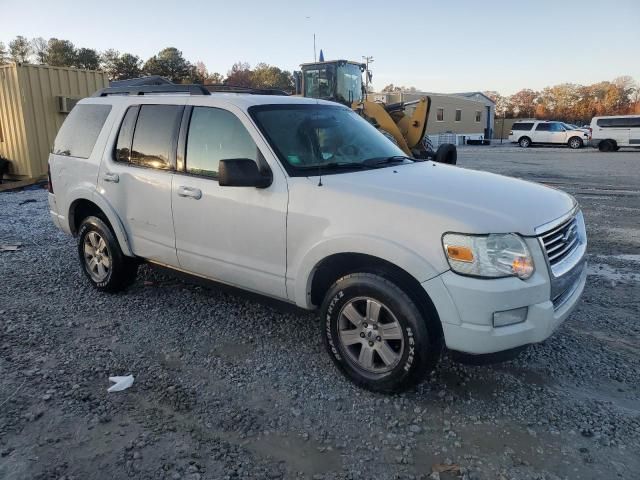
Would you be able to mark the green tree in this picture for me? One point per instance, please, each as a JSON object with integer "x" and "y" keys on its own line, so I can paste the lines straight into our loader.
{"x": 121, "y": 67}
{"x": 169, "y": 63}
{"x": 87, "y": 58}
{"x": 128, "y": 66}
{"x": 268, "y": 76}
{"x": 108, "y": 63}
{"x": 215, "y": 78}
{"x": 391, "y": 88}
{"x": 4, "y": 54}
{"x": 61, "y": 53}
{"x": 20, "y": 49}
{"x": 40, "y": 49}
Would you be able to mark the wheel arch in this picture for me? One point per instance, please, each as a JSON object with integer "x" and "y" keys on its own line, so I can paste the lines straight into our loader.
{"x": 83, "y": 206}
{"x": 337, "y": 265}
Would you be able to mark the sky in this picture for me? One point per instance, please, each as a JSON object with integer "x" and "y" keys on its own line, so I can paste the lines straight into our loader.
{"x": 435, "y": 46}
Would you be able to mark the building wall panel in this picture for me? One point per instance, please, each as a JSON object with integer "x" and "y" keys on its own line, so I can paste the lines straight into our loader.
{"x": 13, "y": 135}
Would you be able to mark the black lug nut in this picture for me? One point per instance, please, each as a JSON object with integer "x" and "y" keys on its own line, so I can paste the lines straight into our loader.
{"x": 361, "y": 334}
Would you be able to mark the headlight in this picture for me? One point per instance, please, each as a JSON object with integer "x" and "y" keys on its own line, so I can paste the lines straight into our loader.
{"x": 492, "y": 256}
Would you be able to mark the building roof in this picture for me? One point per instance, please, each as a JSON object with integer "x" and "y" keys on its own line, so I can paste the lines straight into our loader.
{"x": 473, "y": 94}
{"x": 140, "y": 81}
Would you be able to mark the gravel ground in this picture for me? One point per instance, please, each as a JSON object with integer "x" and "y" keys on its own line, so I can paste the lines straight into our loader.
{"x": 230, "y": 385}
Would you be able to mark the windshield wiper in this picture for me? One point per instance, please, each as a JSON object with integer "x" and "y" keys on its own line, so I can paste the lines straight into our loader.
{"x": 336, "y": 165}
{"x": 378, "y": 161}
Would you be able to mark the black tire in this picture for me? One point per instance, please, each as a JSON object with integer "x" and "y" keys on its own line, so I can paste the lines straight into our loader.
{"x": 417, "y": 348}
{"x": 524, "y": 142}
{"x": 575, "y": 143}
{"x": 446, "y": 153}
{"x": 121, "y": 270}
{"x": 607, "y": 146}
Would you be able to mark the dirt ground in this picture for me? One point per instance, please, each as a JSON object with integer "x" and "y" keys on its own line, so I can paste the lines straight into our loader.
{"x": 230, "y": 385}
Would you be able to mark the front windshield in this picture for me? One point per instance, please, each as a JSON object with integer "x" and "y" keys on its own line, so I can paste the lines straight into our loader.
{"x": 349, "y": 83}
{"x": 308, "y": 137}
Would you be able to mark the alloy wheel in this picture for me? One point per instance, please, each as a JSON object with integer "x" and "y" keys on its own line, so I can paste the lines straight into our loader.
{"x": 96, "y": 256}
{"x": 370, "y": 335}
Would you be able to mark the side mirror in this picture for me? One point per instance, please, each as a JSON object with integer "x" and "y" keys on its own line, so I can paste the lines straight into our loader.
{"x": 242, "y": 172}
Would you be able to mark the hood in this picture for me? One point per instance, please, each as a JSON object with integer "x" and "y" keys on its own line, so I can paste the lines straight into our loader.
{"x": 468, "y": 201}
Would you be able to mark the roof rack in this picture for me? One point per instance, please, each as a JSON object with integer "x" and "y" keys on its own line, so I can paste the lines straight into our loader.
{"x": 151, "y": 89}
{"x": 221, "y": 87}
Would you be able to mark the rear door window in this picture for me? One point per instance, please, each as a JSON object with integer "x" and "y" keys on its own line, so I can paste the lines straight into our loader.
{"x": 543, "y": 127}
{"x": 155, "y": 136}
{"x": 79, "y": 132}
{"x": 125, "y": 135}
{"x": 522, "y": 126}
{"x": 214, "y": 135}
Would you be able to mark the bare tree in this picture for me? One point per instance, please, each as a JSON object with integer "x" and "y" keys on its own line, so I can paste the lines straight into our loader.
{"x": 4, "y": 54}
{"x": 40, "y": 48}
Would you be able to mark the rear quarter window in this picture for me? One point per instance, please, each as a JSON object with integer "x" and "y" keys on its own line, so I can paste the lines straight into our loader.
{"x": 80, "y": 130}
{"x": 631, "y": 122}
{"x": 522, "y": 126}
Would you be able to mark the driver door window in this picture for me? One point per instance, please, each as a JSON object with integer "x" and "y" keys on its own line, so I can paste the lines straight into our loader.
{"x": 557, "y": 133}
{"x": 214, "y": 135}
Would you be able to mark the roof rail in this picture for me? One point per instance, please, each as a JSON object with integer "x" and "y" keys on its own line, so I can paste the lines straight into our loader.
{"x": 222, "y": 87}
{"x": 151, "y": 89}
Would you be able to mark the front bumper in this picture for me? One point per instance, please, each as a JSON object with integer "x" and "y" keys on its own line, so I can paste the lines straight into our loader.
{"x": 466, "y": 307}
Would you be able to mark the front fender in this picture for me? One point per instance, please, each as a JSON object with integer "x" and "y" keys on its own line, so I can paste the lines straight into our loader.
{"x": 404, "y": 258}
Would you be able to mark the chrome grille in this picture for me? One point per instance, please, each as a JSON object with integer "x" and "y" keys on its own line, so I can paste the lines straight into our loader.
{"x": 560, "y": 242}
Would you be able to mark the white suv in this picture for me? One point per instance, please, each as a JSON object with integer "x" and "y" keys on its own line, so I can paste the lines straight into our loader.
{"x": 305, "y": 201}
{"x": 527, "y": 132}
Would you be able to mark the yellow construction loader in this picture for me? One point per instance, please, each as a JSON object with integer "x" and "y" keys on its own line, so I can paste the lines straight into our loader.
{"x": 341, "y": 81}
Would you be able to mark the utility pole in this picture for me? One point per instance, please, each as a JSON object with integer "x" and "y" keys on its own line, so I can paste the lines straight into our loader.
{"x": 367, "y": 60}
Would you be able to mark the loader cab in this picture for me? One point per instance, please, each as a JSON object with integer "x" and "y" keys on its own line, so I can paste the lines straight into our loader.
{"x": 338, "y": 80}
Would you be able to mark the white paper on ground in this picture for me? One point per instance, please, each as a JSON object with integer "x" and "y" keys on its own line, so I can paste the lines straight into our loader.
{"x": 120, "y": 383}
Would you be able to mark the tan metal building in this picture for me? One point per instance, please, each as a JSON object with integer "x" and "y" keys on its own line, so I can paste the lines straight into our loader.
{"x": 34, "y": 100}
{"x": 453, "y": 115}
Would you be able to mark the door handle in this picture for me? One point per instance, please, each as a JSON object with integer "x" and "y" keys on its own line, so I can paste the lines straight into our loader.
{"x": 190, "y": 192}
{"x": 111, "y": 177}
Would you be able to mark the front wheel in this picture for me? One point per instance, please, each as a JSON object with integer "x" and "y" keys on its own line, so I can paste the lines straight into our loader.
{"x": 376, "y": 335}
{"x": 525, "y": 142}
{"x": 575, "y": 143}
{"x": 446, "y": 153}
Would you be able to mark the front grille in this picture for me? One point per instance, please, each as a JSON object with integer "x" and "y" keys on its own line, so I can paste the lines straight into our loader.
{"x": 560, "y": 242}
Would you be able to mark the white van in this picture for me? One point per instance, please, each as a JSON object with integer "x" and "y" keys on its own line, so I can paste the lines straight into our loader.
{"x": 608, "y": 134}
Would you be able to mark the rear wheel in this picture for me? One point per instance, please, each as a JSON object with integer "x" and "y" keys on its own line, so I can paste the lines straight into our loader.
{"x": 525, "y": 142}
{"x": 575, "y": 143}
{"x": 376, "y": 334}
{"x": 607, "y": 146}
{"x": 447, "y": 153}
{"x": 102, "y": 260}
